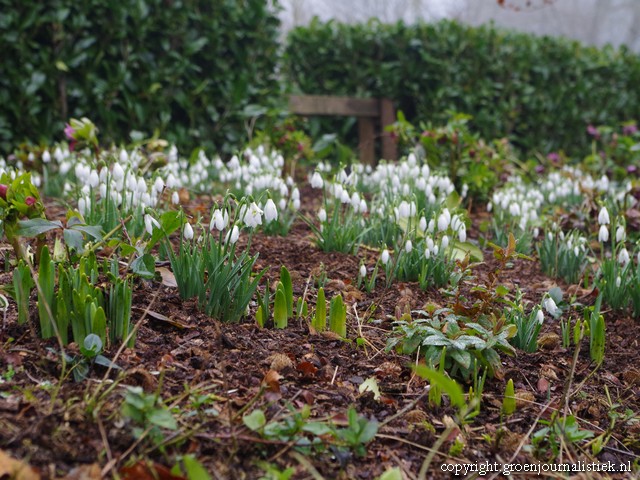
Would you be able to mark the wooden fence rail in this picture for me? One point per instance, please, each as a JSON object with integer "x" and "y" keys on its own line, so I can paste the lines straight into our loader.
{"x": 369, "y": 111}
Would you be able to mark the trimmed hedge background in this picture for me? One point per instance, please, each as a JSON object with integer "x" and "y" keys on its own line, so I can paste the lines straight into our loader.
{"x": 540, "y": 92}
{"x": 187, "y": 68}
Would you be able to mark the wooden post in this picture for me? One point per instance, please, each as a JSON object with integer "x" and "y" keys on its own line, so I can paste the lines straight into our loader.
{"x": 387, "y": 117}
{"x": 366, "y": 140}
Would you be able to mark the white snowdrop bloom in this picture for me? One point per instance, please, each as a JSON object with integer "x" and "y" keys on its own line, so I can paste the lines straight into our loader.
{"x": 187, "y": 232}
{"x": 64, "y": 167}
{"x": 322, "y": 215}
{"x": 363, "y": 206}
{"x": 217, "y": 221}
{"x": 363, "y": 271}
{"x": 117, "y": 172}
{"x": 384, "y": 257}
{"x": 550, "y": 306}
{"x": 623, "y": 257}
{"x": 46, "y": 156}
{"x": 82, "y": 205}
{"x": 145, "y": 199}
{"x": 514, "y": 210}
{"x": 576, "y": 251}
{"x": 435, "y": 250}
{"x": 57, "y": 154}
{"x": 536, "y": 232}
{"x": 172, "y": 182}
{"x": 141, "y": 185}
{"x": 103, "y": 190}
{"x": 132, "y": 183}
{"x": 355, "y": 200}
{"x": 603, "y": 216}
{"x": 295, "y": 205}
{"x": 489, "y": 206}
{"x": 295, "y": 194}
{"x": 316, "y": 180}
{"x": 149, "y": 222}
{"x": 158, "y": 185}
{"x": 540, "y": 317}
{"x": 618, "y": 281}
{"x": 620, "y": 234}
{"x": 284, "y": 190}
{"x": 455, "y": 223}
{"x": 422, "y": 224}
{"x": 36, "y": 180}
{"x": 233, "y": 235}
{"x": 86, "y": 189}
{"x": 431, "y": 226}
{"x": 270, "y": 211}
{"x": 282, "y": 204}
{"x": 252, "y": 216}
{"x": 444, "y": 243}
{"x": 411, "y": 159}
{"x": 603, "y": 234}
{"x": 124, "y": 157}
{"x": 427, "y": 253}
{"x": 462, "y": 233}
{"x": 404, "y": 210}
{"x": 344, "y": 197}
{"x": 408, "y": 246}
{"x": 443, "y": 222}
{"x": 430, "y": 243}
{"x": 175, "y": 198}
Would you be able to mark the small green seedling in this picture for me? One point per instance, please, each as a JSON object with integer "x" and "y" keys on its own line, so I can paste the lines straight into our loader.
{"x": 280, "y": 315}
{"x": 338, "y": 316}
{"x": 319, "y": 321}
{"x": 509, "y": 401}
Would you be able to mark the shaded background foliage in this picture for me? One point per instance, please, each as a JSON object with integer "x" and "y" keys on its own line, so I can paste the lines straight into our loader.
{"x": 540, "y": 92}
{"x": 187, "y": 68}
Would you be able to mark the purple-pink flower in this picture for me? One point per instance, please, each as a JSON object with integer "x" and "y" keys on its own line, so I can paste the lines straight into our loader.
{"x": 593, "y": 131}
{"x": 629, "y": 129}
{"x": 553, "y": 157}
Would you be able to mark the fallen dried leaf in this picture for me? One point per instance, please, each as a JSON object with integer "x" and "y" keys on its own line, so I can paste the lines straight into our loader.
{"x": 272, "y": 380}
{"x": 151, "y": 471}
{"x": 543, "y": 385}
{"x": 168, "y": 278}
{"x": 15, "y": 469}
{"x": 308, "y": 369}
{"x": 85, "y": 472}
{"x": 279, "y": 361}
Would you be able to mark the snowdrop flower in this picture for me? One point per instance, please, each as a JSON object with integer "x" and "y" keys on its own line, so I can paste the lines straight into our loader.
{"x": 149, "y": 222}
{"x": 422, "y": 225}
{"x": 432, "y": 226}
{"x": 536, "y": 232}
{"x": 124, "y": 156}
{"x": 618, "y": 281}
{"x": 84, "y": 204}
{"x": 322, "y": 215}
{"x": 408, "y": 246}
{"x": 233, "y": 235}
{"x": 344, "y": 197}
{"x": 94, "y": 180}
{"x": 363, "y": 271}
{"x": 435, "y": 249}
{"x": 219, "y": 220}
{"x": 623, "y": 257}
{"x": 316, "y": 181}
{"x": 620, "y": 234}
{"x": 540, "y": 317}
{"x": 384, "y": 257}
{"x": 175, "y": 198}
{"x": 363, "y": 206}
{"x": 462, "y": 233}
{"x": 427, "y": 253}
{"x": 603, "y": 216}
{"x": 576, "y": 251}
{"x": 404, "y": 210}
{"x": 252, "y": 216}
{"x": 117, "y": 172}
{"x": 430, "y": 243}
{"x": 445, "y": 242}
{"x": 46, "y": 156}
{"x": 270, "y": 211}
{"x": 295, "y": 204}
{"x": 295, "y": 194}
{"x": 188, "y": 231}
{"x": 443, "y": 221}
{"x": 550, "y": 306}
{"x": 603, "y": 235}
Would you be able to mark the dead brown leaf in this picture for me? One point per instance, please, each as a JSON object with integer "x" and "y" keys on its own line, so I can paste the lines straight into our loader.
{"x": 85, "y": 472}
{"x": 15, "y": 469}
{"x": 272, "y": 380}
{"x": 168, "y": 278}
{"x": 148, "y": 471}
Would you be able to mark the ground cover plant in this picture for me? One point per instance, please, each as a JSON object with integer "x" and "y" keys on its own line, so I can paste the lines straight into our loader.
{"x": 168, "y": 316}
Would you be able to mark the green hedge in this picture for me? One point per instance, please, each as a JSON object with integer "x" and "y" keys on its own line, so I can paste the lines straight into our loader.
{"x": 540, "y": 92}
{"x": 187, "y": 68}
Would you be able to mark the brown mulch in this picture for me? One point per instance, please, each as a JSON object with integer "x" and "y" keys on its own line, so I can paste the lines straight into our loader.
{"x": 232, "y": 362}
